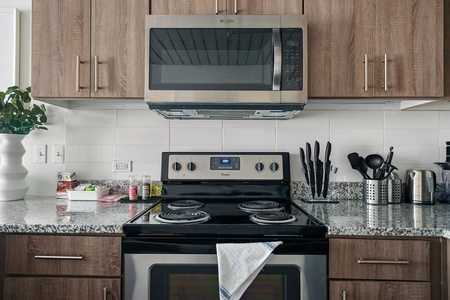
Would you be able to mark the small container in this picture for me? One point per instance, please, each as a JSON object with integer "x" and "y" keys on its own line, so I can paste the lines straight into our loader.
{"x": 146, "y": 186}
{"x": 394, "y": 191}
{"x": 375, "y": 191}
{"x": 133, "y": 187}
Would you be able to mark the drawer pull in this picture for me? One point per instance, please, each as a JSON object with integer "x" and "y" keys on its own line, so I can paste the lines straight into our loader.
{"x": 344, "y": 295}
{"x": 377, "y": 262}
{"x": 62, "y": 257}
{"x": 105, "y": 293}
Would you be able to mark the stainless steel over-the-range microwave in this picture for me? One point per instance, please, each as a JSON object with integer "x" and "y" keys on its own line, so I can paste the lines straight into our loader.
{"x": 226, "y": 66}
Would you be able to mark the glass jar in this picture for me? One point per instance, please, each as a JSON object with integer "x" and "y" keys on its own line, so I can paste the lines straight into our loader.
{"x": 133, "y": 187}
{"x": 146, "y": 187}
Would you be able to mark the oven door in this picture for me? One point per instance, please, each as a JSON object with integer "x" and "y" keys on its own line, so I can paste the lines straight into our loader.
{"x": 166, "y": 271}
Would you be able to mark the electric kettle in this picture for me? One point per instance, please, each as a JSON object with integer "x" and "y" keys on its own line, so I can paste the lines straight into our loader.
{"x": 420, "y": 186}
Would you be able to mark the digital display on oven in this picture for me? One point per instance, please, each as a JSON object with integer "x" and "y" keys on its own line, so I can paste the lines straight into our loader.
{"x": 225, "y": 163}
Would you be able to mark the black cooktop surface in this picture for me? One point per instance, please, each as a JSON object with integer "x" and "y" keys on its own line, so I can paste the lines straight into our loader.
{"x": 224, "y": 219}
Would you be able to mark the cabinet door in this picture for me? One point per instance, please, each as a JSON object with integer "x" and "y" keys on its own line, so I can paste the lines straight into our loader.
{"x": 379, "y": 259}
{"x": 117, "y": 48}
{"x": 373, "y": 290}
{"x": 339, "y": 39}
{"x": 63, "y": 255}
{"x": 188, "y": 7}
{"x": 26, "y": 288}
{"x": 410, "y": 33}
{"x": 264, "y": 7}
{"x": 60, "y": 34}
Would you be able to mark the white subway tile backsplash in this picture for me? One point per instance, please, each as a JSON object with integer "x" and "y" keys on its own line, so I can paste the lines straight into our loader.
{"x": 93, "y": 138}
{"x": 196, "y": 136}
{"x": 249, "y": 137}
{"x": 141, "y": 153}
{"x": 143, "y": 136}
{"x": 91, "y": 135}
{"x": 91, "y": 170}
{"x": 307, "y": 119}
{"x": 91, "y": 118}
{"x": 357, "y": 136}
{"x": 90, "y": 153}
{"x": 357, "y": 119}
{"x": 140, "y": 118}
{"x": 411, "y": 119}
{"x": 412, "y": 137}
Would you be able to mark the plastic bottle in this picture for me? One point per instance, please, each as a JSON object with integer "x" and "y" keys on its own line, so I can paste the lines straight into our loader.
{"x": 146, "y": 185}
{"x": 133, "y": 187}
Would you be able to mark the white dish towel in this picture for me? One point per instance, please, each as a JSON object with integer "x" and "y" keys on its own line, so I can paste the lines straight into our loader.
{"x": 239, "y": 264}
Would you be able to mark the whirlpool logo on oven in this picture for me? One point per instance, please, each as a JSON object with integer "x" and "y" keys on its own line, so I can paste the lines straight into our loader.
{"x": 224, "y": 174}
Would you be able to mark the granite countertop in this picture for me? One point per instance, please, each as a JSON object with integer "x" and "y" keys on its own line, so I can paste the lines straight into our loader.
{"x": 355, "y": 217}
{"x": 36, "y": 214}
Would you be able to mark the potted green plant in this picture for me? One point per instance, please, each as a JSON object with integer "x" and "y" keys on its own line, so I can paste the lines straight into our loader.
{"x": 18, "y": 117}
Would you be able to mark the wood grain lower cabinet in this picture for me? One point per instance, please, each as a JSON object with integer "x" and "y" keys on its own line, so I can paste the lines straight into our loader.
{"x": 380, "y": 290}
{"x": 29, "y": 288}
{"x": 62, "y": 267}
{"x": 382, "y": 268}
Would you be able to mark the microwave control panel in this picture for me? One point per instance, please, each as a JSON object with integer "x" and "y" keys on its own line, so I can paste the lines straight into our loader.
{"x": 292, "y": 59}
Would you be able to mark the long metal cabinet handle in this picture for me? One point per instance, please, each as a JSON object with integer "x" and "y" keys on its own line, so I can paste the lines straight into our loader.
{"x": 385, "y": 61}
{"x": 217, "y": 7}
{"x": 235, "y": 7}
{"x": 276, "y": 40}
{"x": 344, "y": 295}
{"x": 62, "y": 257}
{"x": 105, "y": 293}
{"x": 96, "y": 73}
{"x": 365, "y": 73}
{"x": 378, "y": 262}
{"x": 77, "y": 74}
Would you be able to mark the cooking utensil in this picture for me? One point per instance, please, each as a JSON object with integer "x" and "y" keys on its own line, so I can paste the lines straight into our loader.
{"x": 312, "y": 181}
{"x": 374, "y": 161}
{"x": 304, "y": 167}
{"x": 327, "y": 169}
{"x": 355, "y": 163}
{"x": 363, "y": 166}
{"x": 385, "y": 168}
{"x": 319, "y": 168}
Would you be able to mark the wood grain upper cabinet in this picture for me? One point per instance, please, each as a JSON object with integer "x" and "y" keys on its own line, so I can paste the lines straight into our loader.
{"x": 350, "y": 39}
{"x": 223, "y": 7}
{"x": 88, "y": 48}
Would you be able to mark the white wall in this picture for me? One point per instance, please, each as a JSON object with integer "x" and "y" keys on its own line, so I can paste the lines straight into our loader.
{"x": 93, "y": 138}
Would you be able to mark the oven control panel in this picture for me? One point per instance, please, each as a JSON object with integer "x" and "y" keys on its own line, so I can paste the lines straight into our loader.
{"x": 227, "y": 166}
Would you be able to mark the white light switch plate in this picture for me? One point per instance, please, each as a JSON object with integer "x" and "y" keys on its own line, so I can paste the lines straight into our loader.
{"x": 40, "y": 154}
{"x": 58, "y": 154}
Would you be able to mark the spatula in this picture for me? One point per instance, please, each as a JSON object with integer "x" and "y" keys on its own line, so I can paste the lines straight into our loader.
{"x": 355, "y": 163}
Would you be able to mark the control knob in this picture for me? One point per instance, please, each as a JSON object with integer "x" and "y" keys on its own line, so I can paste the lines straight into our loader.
{"x": 274, "y": 167}
{"x": 259, "y": 166}
{"x": 191, "y": 166}
{"x": 176, "y": 166}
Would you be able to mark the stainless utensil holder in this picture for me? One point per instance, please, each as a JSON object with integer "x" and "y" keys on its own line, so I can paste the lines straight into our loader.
{"x": 394, "y": 191}
{"x": 375, "y": 191}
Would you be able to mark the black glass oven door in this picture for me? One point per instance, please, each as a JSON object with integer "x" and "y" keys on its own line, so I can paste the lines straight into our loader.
{"x": 193, "y": 282}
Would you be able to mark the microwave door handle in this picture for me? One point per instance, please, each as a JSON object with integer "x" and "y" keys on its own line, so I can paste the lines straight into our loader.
{"x": 277, "y": 58}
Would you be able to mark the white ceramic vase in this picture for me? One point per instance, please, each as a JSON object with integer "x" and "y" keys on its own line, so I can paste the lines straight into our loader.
{"x": 12, "y": 173}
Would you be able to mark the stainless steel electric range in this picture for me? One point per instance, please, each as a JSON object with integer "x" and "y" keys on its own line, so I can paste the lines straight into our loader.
{"x": 223, "y": 197}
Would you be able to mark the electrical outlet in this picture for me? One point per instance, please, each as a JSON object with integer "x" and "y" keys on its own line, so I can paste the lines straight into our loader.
{"x": 121, "y": 165}
{"x": 58, "y": 154}
{"x": 40, "y": 154}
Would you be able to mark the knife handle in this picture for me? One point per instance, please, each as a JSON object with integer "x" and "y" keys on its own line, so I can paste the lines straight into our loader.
{"x": 308, "y": 152}
{"x": 327, "y": 152}
{"x": 316, "y": 151}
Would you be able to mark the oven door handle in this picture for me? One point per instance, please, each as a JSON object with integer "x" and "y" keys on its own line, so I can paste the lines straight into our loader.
{"x": 144, "y": 245}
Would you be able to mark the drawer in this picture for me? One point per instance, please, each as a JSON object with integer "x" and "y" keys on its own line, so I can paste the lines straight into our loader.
{"x": 35, "y": 288}
{"x": 379, "y": 290}
{"x": 379, "y": 259}
{"x": 63, "y": 255}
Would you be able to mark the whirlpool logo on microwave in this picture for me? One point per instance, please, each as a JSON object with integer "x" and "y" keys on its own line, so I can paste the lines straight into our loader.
{"x": 224, "y": 174}
{"x": 226, "y": 21}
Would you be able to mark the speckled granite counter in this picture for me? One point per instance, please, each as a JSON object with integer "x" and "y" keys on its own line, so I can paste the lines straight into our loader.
{"x": 355, "y": 217}
{"x": 50, "y": 215}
